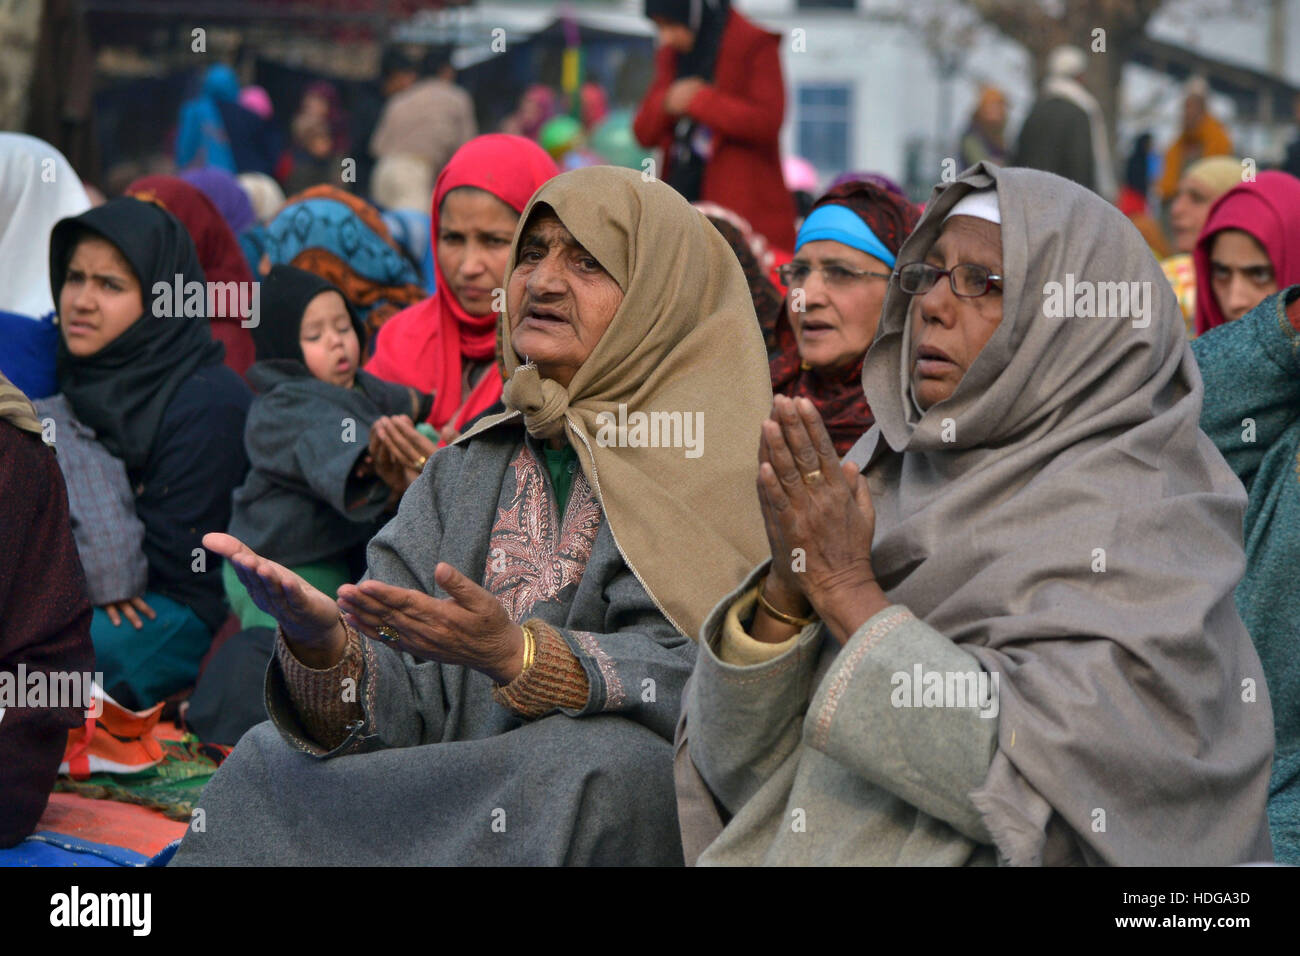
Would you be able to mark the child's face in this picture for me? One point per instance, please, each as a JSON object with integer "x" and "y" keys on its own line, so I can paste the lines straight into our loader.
{"x": 328, "y": 340}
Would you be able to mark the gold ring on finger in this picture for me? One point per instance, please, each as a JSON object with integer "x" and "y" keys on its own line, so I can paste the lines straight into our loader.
{"x": 421, "y": 461}
{"x": 812, "y": 477}
{"x": 387, "y": 634}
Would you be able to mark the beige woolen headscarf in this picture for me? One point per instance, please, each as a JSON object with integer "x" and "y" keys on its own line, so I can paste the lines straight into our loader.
{"x": 684, "y": 340}
{"x": 16, "y": 408}
{"x": 1083, "y": 537}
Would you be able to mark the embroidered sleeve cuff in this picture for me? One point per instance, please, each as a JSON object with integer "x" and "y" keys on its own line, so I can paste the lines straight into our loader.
{"x": 319, "y": 696}
{"x": 908, "y": 710}
{"x": 556, "y": 681}
{"x": 738, "y": 648}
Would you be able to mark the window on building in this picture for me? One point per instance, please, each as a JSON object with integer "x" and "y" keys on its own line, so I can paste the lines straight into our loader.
{"x": 825, "y": 124}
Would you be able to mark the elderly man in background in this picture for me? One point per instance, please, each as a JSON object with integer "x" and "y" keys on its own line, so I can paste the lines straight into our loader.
{"x": 1065, "y": 132}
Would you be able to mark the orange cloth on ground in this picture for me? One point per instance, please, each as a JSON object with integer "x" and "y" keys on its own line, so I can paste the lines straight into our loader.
{"x": 140, "y": 829}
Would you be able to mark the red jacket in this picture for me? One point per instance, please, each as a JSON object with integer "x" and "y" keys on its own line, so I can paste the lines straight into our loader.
{"x": 744, "y": 108}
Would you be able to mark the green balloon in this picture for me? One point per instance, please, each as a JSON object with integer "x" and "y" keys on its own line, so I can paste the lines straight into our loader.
{"x": 559, "y": 134}
{"x": 614, "y": 140}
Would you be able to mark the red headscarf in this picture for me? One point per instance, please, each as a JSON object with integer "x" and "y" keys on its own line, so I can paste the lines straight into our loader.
{"x": 219, "y": 253}
{"x": 423, "y": 345}
{"x": 838, "y": 396}
{"x": 1269, "y": 210}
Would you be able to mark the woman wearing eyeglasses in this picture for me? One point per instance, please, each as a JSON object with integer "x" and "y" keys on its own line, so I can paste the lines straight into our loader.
{"x": 844, "y": 255}
{"x": 1002, "y": 630}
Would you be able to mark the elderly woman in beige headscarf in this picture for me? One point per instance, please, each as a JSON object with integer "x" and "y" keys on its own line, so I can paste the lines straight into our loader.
{"x": 1001, "y": 630}
{"x": 502, "y": 686}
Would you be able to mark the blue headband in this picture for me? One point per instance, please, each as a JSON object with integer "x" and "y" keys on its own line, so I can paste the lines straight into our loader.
{"x": 842, "y": 225}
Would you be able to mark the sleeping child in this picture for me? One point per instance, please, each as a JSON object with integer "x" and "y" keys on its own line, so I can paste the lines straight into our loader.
{"x": 313, "y": 497}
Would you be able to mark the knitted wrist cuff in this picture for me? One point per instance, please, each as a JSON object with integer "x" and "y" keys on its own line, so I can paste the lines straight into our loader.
{"x": 555, "y": 681}
{"x": 324, "y": 702}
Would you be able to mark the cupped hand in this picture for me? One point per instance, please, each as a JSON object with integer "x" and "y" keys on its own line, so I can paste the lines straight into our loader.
{"x": 470, "y": 628}
{"x": 308, "y": 618}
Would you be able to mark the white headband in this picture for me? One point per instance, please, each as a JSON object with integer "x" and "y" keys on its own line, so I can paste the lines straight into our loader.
{"x": 981, "y": 204}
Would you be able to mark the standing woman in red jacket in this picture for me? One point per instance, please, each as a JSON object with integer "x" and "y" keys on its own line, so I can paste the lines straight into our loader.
{"x": 715, "y": 109}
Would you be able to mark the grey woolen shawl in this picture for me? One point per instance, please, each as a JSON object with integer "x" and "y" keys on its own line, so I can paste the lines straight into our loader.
{"x": 1135, "y": 726}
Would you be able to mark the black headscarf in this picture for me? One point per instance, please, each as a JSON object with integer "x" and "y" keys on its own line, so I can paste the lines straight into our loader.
{"x": 285, "y": 294}
{"x": 707, "y": 19}
{"x": 123, "y": 389}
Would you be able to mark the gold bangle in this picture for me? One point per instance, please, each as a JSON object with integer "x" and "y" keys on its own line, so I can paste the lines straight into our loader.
{"x": 530, "y": 647}
{"x": 781, "y": 615}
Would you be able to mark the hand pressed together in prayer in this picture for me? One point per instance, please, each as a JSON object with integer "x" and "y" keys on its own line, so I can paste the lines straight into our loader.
{"x": 822, "y": 507}
{"x": 471, "y": 628}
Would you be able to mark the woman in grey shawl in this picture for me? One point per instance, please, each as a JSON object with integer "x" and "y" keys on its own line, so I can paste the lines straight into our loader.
{"x": 503, "y": 685}
{"x": 1024, "y": 647}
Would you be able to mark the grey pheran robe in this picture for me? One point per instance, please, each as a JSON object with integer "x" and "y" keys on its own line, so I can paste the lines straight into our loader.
{"x": 438, "y": 772}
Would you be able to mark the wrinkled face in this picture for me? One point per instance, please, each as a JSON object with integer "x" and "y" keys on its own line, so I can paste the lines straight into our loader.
{"x": 1188, "y": 212}
{"x": 560, "y": 300}
{"x": 100, "y": 298}
{"x": 474, "y": 233}
{"x": 840, "y": 309}
{"x": 328, "y": 340}
{"x": 676, "y": 36}
{"x": 1241, "y": 274}
{"x": 949, "y": 331}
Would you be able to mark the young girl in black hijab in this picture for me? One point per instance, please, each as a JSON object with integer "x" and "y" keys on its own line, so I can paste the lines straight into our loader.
{"x": 313, "y": 499}
{"x": 150, "y": 381}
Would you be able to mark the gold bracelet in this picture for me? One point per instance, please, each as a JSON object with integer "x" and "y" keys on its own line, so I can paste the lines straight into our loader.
{"x": 781, "y": 615}
{"x": 530, "y": 647}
